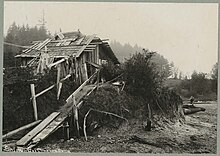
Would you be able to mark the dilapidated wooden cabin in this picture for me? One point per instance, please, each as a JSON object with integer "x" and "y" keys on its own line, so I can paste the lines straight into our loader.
{"x": 74, "y": 55}
{"x": 72, "y": 52}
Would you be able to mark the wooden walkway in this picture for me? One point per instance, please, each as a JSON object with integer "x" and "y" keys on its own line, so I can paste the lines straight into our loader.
{"x": 54, "y": 121}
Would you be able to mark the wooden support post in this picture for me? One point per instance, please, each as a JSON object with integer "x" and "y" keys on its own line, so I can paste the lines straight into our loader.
{"x": 58, "y": 73}
{"x": 84, "y": 72}
{"x": 97, "y": 59}
{"x": 80, "y": 76}
{"x": 75, "y": 110}
{"x": 59, "y": 90}
{"x": 71, "y": 123}
{"x": 95, "y": 55}
{"x": 98, "y": 77}
{"x": 76, "y": 72}
{"x": 66, "y": 131}
{"x": 34, "y": 101}
{"x": 148, "y": 126}
{"x": 59, "y": 84}
{"x": 77, "y": 121}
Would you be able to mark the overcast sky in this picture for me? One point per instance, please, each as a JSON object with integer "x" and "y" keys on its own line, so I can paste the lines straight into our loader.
{"x": 186, "y": 34}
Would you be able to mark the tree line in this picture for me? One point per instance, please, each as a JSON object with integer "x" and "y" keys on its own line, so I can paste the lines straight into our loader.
{"x": 126, "y": 51}
{"x": 198, "y": 84}
{"x": 21, "y": 35}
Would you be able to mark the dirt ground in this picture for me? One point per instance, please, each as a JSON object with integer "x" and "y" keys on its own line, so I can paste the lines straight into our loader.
{"x": 197, "y": 135}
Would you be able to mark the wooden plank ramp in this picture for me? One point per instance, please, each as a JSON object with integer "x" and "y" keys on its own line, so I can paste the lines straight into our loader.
{"x": 26, "y": 139}
{"x": 64, "y": 111}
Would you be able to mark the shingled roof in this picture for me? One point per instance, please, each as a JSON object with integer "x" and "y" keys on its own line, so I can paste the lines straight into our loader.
{"x": 68, "y": 44}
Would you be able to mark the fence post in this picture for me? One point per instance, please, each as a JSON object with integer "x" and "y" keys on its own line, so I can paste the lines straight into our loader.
{"x": 75, "y": 110}
{"x": 34, "y": 101}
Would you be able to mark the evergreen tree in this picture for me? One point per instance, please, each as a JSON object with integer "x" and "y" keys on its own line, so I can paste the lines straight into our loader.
{"x": 126, "y": 51}
{"x": 20, "y": 35}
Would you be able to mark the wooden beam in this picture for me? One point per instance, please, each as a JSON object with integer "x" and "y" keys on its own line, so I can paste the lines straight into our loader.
{"x": 93, "y": 64}
{"x": 101, "y": 39}
{"x": 21, "y": 129}
{"x": 81, "y": 102}
{"x": 59, "y": 90}
{"x": 97, "y": 61}
{"x": 64, "y": 56}
{"x": 24, "y": 140}
{"x": 66, "y": 130}
{"x": 76, "y": 117}
{"x": 44, "y": 91}
{"x": 37, "y": 41}
{"x": 38, "y": 46}
{"x": 76, "y": 68}
{"x": 34, "y": 101}
{"x": 31, "y": 61}
{"x": 58, "y": 74}
{"x": 44, "y": 43}
{"x": 91, "y": 46}
{"x": 55, "y": 63}
{"x": 95, "y": 43}
{"x": 80, "y": 88}
{"x": 63, "y": 79}
{"x": 23, "y": 55}
{"x": 55, "y": 124}
{"x": 83, "y": 47}
{"x": 51, "y": 87}
{"x": 88, "y": 50}
{"x": 84, "y": 124}
{"x": 85, "y": 72}
{"x": 98, "y": 77}
{"x": 56, "y": 41}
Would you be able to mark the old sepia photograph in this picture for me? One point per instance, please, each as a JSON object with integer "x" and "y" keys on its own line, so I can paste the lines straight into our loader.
{"x": 110, "y": 77}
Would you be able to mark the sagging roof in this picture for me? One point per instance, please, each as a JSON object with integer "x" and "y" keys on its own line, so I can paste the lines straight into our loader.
{"x": 68, "y": 44}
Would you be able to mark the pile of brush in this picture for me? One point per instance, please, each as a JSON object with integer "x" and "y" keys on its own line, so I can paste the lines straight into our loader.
{"x": 108, "y": 107}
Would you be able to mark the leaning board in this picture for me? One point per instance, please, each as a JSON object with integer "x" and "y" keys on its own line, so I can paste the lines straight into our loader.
{"x": 24, "y": 140}
{"x": 64, "y": 111}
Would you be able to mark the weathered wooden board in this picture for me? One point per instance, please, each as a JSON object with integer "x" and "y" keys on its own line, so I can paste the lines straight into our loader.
{"x": 24, "y": 140}
{"x": 34, "y": 101}
{"x": 64, "y": 111}
{"x": 48, "y": 130}
{"x": 94, "y": 64}
{"x": 75, "y": 93}
{"x": 84, "y": 72}
{"x": 83, "y": 47}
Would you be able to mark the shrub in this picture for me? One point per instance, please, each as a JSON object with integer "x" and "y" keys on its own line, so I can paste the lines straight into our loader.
{"x": 17, "y": 106}
{"x": 143, "y": 80}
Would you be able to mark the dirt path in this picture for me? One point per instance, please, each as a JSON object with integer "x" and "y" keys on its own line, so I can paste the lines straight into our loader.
{"x": 197, "y": 135}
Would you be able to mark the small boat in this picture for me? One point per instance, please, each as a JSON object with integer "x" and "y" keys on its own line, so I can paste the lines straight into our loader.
{"x": 191, "y": 109}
